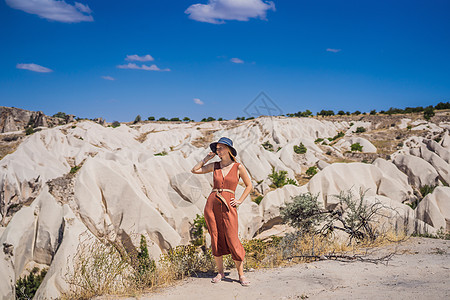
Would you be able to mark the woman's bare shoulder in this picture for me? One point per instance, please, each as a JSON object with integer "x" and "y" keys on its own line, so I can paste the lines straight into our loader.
{"x": 241, "y": 169}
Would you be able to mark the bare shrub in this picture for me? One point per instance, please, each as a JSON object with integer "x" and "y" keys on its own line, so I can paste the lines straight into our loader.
{"x": 101, "y": 268}
{"x": 98, "y": 269}
{"x": 354, "y": 216}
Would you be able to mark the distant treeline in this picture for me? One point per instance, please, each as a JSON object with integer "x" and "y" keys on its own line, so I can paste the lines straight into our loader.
{"x": 428, "y": 112}
{"x": 390, "y": 111}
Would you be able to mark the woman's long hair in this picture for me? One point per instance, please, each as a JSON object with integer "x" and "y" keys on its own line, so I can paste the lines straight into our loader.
{"x": 231, "y": 155}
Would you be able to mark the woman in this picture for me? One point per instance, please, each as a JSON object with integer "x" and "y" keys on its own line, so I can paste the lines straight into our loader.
{"x": 221, "y": 207}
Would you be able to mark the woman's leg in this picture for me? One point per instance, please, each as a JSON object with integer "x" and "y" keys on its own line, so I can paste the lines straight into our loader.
{"x": 240, "y": 269}
{"x": 219, "y": 263}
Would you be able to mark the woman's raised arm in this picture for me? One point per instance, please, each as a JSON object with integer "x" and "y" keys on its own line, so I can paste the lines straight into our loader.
{"x": 199, "y": 168}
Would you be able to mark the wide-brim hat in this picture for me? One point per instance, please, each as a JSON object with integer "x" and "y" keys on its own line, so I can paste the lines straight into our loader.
{"x": 225, "y": 141}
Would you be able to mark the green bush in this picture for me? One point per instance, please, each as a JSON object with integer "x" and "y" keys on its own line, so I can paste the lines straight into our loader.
{"x": 151, "y": 118}
{"x": 198, "y": 230}
{"x": 303, "y": 212}
{"x": 137, "y": 119}
{"x": 60, "y": 115}
{"x": 356, "y": 147}
{"x": 115, "y": 124}
{"x": 306, "y": 113}
{"x": 325, "y": 113}
{"x": 427, "y": 189}
{"x": 268, "y": 146}
{"x": 209, "y": 119}
{"x": 27, "y": 286}
{"x": 360, "y": 129}
{"x": 161, "y": 153}
{"x": 258, "y": 199}
{"x": 428, "y": 113}
{"x": 442, "y": 105}
{"x": 279, "y": 179}
{"x": 318, "y": 140}
{"x": 291, "y": 181}
{"x": 338, "y": 135}
{"x": 311, "y": 171}
{"x": 73, "y": 170}
{"x": 29, "y": 130}
{"x": 300, "y": 149}
{"x": 146, "y": 265}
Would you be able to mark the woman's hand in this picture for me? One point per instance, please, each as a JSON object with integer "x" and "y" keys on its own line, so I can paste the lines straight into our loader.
{"x": 209, "y": 156}
{"x": 234, "y": 202}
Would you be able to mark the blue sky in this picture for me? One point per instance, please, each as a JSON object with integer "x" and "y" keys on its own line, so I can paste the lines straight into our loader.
{"x": 213, "y": 57}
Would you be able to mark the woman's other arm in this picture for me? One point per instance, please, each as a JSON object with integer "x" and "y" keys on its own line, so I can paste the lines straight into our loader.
{"x": 248, "y": 188}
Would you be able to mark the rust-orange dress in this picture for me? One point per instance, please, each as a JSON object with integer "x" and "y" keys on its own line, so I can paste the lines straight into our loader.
{"x": 222, "y": 219}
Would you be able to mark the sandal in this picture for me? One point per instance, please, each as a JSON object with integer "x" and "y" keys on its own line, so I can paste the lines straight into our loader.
{"x": 217, "y": 278}
{"x": 243, "y": 281}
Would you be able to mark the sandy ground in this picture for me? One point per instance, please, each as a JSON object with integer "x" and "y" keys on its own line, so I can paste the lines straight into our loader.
{"x": 420, "y": 270}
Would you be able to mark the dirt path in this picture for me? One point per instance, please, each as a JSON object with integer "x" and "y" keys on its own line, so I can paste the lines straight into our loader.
{"x": 421, "y": 272}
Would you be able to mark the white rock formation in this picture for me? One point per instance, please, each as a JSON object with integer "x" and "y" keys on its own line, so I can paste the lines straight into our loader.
{"x": 419, "y": 171}
{"x": 123, "y": 189}
{"x": 394, "y": 183}
{"x": 434, "y": 209}
{"x": 346, "y": 143}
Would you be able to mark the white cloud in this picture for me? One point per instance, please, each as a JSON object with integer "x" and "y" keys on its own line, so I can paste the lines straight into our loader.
{"x": 135, "y": 57}
{"x": 236, "y": 60}
{"x": 216, "y": 11}
{"x": 333, "y": 50}
{"x": 83, "y": 8}
{"x": 198, "y": 101}
{"x": 108, "y": 78}
{"x": 143, "y": 67}
{"x": 54, "y": 10}
{"x": 34, "y": 68}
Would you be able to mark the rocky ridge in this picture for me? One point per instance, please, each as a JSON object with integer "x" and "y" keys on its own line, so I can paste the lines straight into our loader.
{"x": 126, "y": 186}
